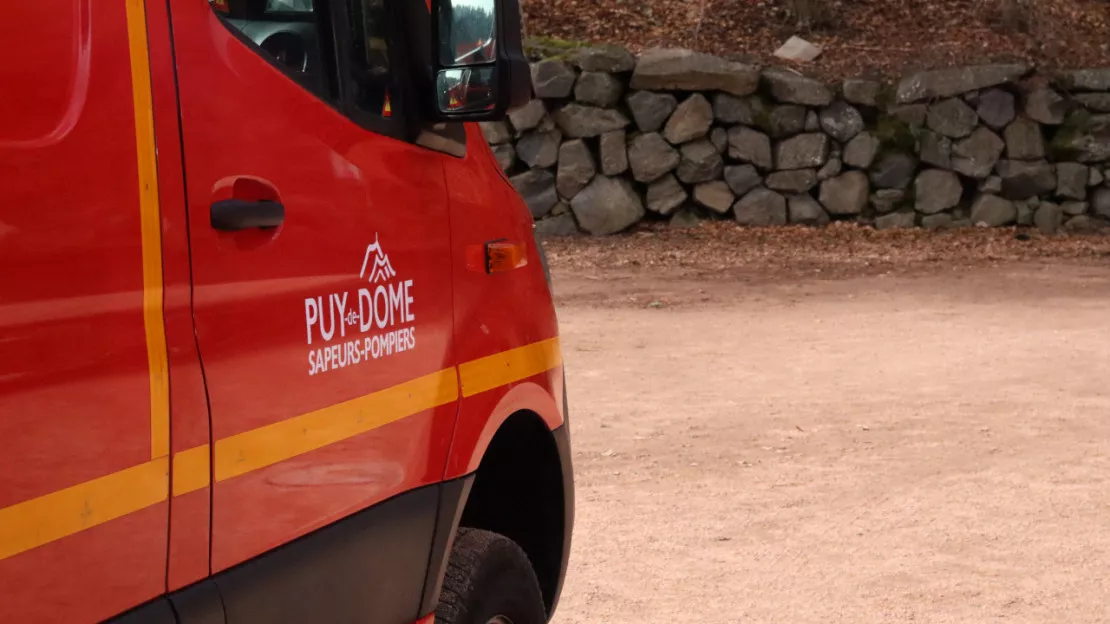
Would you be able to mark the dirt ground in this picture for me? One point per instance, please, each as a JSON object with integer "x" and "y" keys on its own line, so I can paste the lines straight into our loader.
{"x": 901, "y": 446}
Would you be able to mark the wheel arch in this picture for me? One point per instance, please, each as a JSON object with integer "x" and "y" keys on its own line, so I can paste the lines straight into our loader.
{"x": 523, "y": 490}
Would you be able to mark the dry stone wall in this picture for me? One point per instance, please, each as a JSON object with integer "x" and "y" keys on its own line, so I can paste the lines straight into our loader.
{"x": 612, "y": 139}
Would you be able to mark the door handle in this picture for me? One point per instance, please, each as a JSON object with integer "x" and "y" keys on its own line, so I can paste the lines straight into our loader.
{"x": 231, "y": 215}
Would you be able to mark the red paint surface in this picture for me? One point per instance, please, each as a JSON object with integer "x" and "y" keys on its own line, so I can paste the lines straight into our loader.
{"x": 74, "y": 382}
{"x": 88, "y": 576}
{"x": 495, "y": 312}
{"x": 343, "y": 187}
{"x": 191, "y": 514}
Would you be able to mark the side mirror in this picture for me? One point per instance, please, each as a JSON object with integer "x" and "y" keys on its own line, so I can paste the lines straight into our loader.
{"x": 479, "y": 65}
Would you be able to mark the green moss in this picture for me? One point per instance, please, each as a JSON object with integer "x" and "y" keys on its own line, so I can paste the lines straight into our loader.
{"x": 885, "y": 99}
{"x": 541, "y": 48}
{"x": 896, "y": 135}
{"x": 1062, "y": 146}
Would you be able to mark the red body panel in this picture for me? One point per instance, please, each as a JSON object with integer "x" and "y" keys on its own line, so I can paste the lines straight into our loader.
{"x": 191, "y": 513}
{"x": 74, "y": 382}
{"x": 343, "y": 188}
{"x": 261, "y": 326}
{"x": 495, "y": 312}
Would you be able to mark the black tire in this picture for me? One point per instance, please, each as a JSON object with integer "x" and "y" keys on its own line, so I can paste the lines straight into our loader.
{"x": 487, "y": 576}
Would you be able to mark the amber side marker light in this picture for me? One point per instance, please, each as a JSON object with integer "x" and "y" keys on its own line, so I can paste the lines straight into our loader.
{"x": 496, "y": 256}
{"x": 504, "y": 256}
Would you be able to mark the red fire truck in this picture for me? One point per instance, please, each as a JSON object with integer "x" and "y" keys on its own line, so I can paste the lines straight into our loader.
{"x": 278, "y": 344}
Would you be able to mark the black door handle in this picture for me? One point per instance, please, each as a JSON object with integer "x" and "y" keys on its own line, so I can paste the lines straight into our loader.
{"x": 231, "y": 215}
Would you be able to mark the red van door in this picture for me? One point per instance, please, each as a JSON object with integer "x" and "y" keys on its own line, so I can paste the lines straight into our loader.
{"x": 321, "y": 272}
{"x": 84, "y": 403}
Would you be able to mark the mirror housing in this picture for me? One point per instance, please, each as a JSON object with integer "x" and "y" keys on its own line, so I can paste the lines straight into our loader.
{"x": 479, "y": 70}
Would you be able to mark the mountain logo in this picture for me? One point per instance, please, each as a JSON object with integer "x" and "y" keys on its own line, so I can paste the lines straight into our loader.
{"x": 381, "y": 270}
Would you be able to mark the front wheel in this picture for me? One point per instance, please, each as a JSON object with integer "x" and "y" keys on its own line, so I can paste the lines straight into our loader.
{"x": 489, "y": 581}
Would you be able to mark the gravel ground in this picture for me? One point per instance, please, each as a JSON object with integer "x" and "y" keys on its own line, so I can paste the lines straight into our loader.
{"x": 882, "y": 437}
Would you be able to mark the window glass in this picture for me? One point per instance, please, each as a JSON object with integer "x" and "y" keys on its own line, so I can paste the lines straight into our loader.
{"x": 290, "y": 33}
{"x": 370, "y": 65}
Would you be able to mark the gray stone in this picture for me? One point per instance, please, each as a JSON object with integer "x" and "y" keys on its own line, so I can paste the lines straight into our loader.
{"x": 537, "y": 188}
{"x": 791, "y": 88}
{"x": 952, "y": 118}
{"x": 936, "y": 150}
{"x": 996, "y": 108}
{"x": 539, "y": 149}
{"x": 527, "y": 117}
{"x": 760, "y": 208}
{"x": 719, "y": 138}
{"x": 1049, "y": 218}
{"x": 691, "y": 120}
{"x": 797, "y": 181}
{"x": 750, "y": 146}
{"x": 576, "y": 168}
{"x": 862, "y": 92}
{"x": 841, "y": 121}
{"x": 936, "y": 190}
{"x": 665, "y": 195}
{"x": 556, "y": 226}
{"x": 552, "y": 79}
{"x": 560, "y": 208}
{"x": 1026, "y": 209}
{"x": 943, "y": 83}
{"x": 607, "y": 206}
{"x": 846, "y": 194}
{"x": 1045, "y": 106}
{"x": 1084, "y": 140}
{"x": 787, "y": 120}
{"x": 701, "y": 162}
{"x": 895, "y": 220}
{"x": 1022, "y": 180}
{"x": 893, "y": 170}
{"x": 802, "y": 152}
{"x": 993, "y": 184}
{"x": 1024, "y": 140}
{"x": 714, "y": 195}
{"x": 651, "y": 110}
{"x": 598, "y": 88}
{"x": 993, "y": 211}
{"x": 941, "y": 221}
{"x": 1071, "y": 180}
{"x": 976, "y": 156}
{"x": 496, "y": 132}
{"x": 1085, "y": 80}
{"x": 579, "y": 122}
{"x": 730, "y": 109}
{"x": 613, "y": 148}
{"x": 973, "y": 98}
{"x": 611, "y": 59}
{"x": 672, "y": 69}
{"x": 1084, "y": 224}
{"x": 861, "y": 151}
{"x": 830, "y": 170}
{"x": 742, "y": 178}
{"x": 813, "y": 122}
{"x": 805, "y": 210}
{"x": 1100, "y": 203}
{"x": 650, "y": 156}
{"x": 1097, "y": 102}
{"x": 1075, "y": 208}
{"x": 505, "y": 155}
{"x": 685, "y": 219}
{"x": 912, "y": 114}
{"x": 1095, "y": 177}
{"x": 886, "y": 200}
